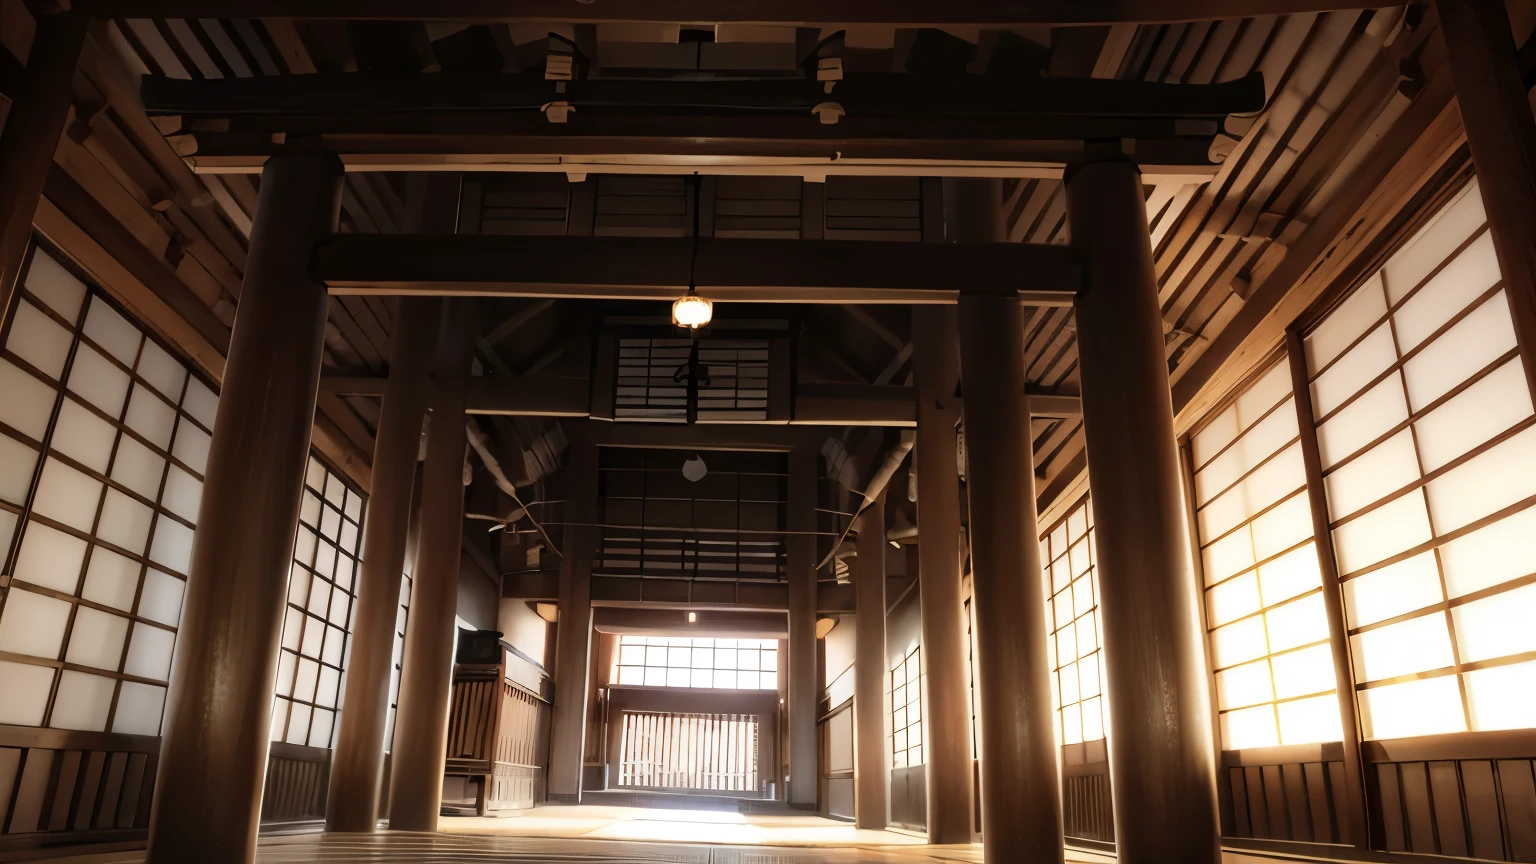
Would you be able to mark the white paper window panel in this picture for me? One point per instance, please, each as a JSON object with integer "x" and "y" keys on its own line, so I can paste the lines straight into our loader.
{"x": 67, "y": 495}
{"x": 139, "y": 709}
{"x": 7, "y": 528}
{"x": 1305, "y": 672}
{"x": 161, "y": 600}
{"x": 82, "y": 702}
{"x": 1502, "y": 697}
{"x": 172, "y": 546}
{"x": 279, "y": 723}
{"x": 83, "y": 436}
{"x": 149, "y": 653}
{"x": 95, "y": 379}
{"x": 33, "y": 624}
{"x": 1310, "y": 721}
{"x": 26, "y": 693}
{"x": 191, "y": 447}
{"x": 50, "y": 558}
{"x": 58, "y": 288}
{"x": 1282, "y": 526}
{"x": 125, "y": 522}
{"x": 1261, "y": 441}
{"x": 314, "y": 475}
{"x": 112, "y": 332}
{"x": 304, "y": 681}
{"x": 354, "y": 507}
{"x": 1291, "y": 575}
{"x": 1377, "y": 535}
{"x": 293, "y": 624}
{"x": 314, "y": 635}
{"x": 298, "y": 723}
{"x": 1268, "y": 484}
{"x": 1233, "y": 599}
{"x": 183, "y": 494}
{"x": 17, "y": 463}
{"x": 1497, "y": 626}
{"x": 1353, "y": 371}
{"x": 1228, "y": 556}
{"x": 1491, "y": 555}
{"x": 39, "y": 340}
{"x": 111, "y": 579}
{"x": 1435, "y": 242}
{"x": 1357, "y": 314}
{"x": 1430, "y": 706}
{"x": 96, "y": 639}
{"x": 1451, "y": 290}
{"x": 1474, "y": 342}
{"x": 1264, "y": 394}
{"x": 1394, "y": 590}
{"x": 335, "y": 492}
{"x": 151, "y": 417}
{"x": 309, "y": 509}
{"x": 1296, "y": 623}
{"x": 327, "y": 688}
{"x": 1249, "y": 727}
{"x": 1244, "y": 685}
{"x": 1494, "y": 479}
{"x": 1239, "y": 642}
{"x": 331, "y": 653}
{"x": 287, "y": 665}
{"x": 1420, "y": 644}
{"x": 200, "y": 402}
{"x": 1373, "y": 475}
{"x": 138, "y": 467}
{"x": 28, "y": 402}
{"x": 162, "y": 371}
{"x": 1362, "y": 421}
{"x": 1494, "y": 404}
{"x": 304, "y": 546}
{"x": 320, "y": 728}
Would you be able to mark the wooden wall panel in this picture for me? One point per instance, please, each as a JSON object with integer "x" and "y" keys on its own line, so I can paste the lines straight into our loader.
{"x": 1414, "y": 780}
{"x": 1087, "y": 807}
{"x": 1482, "y": 809}
{"x": 1390, "y": 800}
{"x": 297, "y": 781}
{"x": 1445, "y": 793}
{"x": 1519, "y": 793}
{"x": 78, "y": 786}
{"x": 1477, "y": 808}
{"x": 1293, "y": 801}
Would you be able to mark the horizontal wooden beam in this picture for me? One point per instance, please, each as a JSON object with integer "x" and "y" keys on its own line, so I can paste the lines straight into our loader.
{"x": 659, "y": 268}
{"x": 903, "y": 13}
{"x": 674, "y": 622}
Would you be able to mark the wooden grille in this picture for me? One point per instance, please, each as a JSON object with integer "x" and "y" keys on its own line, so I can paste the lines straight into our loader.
{"x": 666, "y": 750}
{"x": 688, "y": 381}
{"x": 1284, "y": 802}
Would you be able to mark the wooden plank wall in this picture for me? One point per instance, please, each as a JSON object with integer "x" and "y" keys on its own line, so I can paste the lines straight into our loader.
{"x": 1477, "y": 808}
{"x": 1088, "y": 811}
{"x": 874, "y": 208}
{"x": 909, "y": 797}
{"x": 1295, "y": 801}
{"x": 62, "y": 787}
{"x": 297, "y": 781}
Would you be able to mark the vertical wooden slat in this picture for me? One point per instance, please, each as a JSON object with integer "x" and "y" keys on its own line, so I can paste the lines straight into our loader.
{"x": 1295, "y": 782}
{"x": 89, "y": 790}
{"x": 1274, "y": 803}
{"x": 1445, "y": 791}
{"x": 1416, "y": 804}
{"x": 32, "y": 791}
{"x": 1258, "y": 809}
{"x": 1337, "y": 788}
{"x": 1319, "y": 803}
{"x": 1519, "y": 788}
{"x": 106, "y": 814}
{"x": 1242, "y": 826}
{"x": 1482, "y": 809}
{"x": 133, "y": 785}
{"x": 64, "y": 790}
{"x": 10, "y": 764}
{"x": 147, "y": 796}
{"x": 1390, "y": 790}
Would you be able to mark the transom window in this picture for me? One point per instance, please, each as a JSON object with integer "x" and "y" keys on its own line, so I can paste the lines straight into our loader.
{"x": 907, "y": 710}
{"x": 104, "y": 436}
{"x": 1263, "y": 587}
{"x": 321, "y": 587}
{"x": 672, "y": 661}
{"x": 1076, "y": 644}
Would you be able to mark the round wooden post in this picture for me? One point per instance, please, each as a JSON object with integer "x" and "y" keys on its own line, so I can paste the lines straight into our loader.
{"x": 869, "y": 771}
{"x": 947, "y": 700}
{"x": 573, "y": 631}
{"x": 426, "y": 677}
{"x": 352, "y": 803}
{"x": 213, "y": 755}
{"x": 1161, "y": 755}
{"x": 804, "y": 782}
{"x": 1020, "y": 778}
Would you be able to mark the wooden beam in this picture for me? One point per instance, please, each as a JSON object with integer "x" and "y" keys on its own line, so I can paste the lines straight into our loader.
{"x": 517, "y": 321}
{"x": 650, "y": 268}
{"x": 758, "y": 625}
{"x": 900, "y": 13}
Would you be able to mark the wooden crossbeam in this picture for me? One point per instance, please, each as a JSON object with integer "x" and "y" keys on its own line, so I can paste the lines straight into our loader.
{"x": 901, "y": 13}
{"x": 726, "y": 269}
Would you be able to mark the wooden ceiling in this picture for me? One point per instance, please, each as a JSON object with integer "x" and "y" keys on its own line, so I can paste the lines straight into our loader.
{"x": 1344, "y": 89}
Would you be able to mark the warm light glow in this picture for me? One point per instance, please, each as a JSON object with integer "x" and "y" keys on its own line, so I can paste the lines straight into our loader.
{"x": 1426, "y": 707}
{"x": 1503, "y": 697}
{"x": 693, "y": 617}
{"x": 692, "y": 311}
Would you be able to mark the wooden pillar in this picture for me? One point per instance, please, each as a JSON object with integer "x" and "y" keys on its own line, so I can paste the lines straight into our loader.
{"x": 1020, "y": 777}
{"x": 31, "y": 134}
{"x": 869, "y": 675}
{"x": 573, "y": 633}
{"x": 1161, "y": 757}
{"x": 947, "y": 700}
{"x": 213, "y": 753}
{"x": 1502, "y": 137}
{"x": 431, "y": 634}
{"x": 353, "y": 800}
{"x": 803, "y": 779}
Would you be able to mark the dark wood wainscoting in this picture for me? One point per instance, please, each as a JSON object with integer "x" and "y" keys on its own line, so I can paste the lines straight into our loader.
{"x": 297, "y": 780}
{"x": 1272, "y": 795}
{"x": 909, "y": 797}
{"x": 1468, "y": 795}
{"x": 59, "y": 787}
{"x": 1087, "y": 809}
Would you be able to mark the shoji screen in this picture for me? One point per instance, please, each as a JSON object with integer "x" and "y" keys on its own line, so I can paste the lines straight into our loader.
{"x": 1263, "y": 589}
{"x": 907, "y": 710}
{"x": 398, "y": 661}
{"x": 103, "y": 440}
{"x": 1073, "y": 612}
{"x": 321, "y": 586}
{"x": 1424, "y": 420}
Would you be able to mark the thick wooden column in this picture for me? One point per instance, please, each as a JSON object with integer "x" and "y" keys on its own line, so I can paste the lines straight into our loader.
{"x": 803, "y": 780}
{"x": 31, "y": 134}
{"x": 947, "y": 700}
{"x": 869, "y": 767}
{"x": 1502, "y": 137}
{"x": 573, "y": 632}
{"x": 426, "y": 674}
{"x": 353, "y": 800}
{"x": 1161, "y": 756}
{"x": 1020, "y": 778}
{"x": 213, "y": 753}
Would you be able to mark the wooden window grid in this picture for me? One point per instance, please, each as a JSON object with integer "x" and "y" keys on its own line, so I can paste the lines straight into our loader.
{"x": 907, "y": 710}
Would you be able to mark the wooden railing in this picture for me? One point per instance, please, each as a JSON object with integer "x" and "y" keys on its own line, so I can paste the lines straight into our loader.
{"x": 1284, "y": 794}
{"x": 703, "y": 752}
{"x": 59, "y": 786}
{"x": 296, "y": 785}
{"x": 498, "y": 737}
